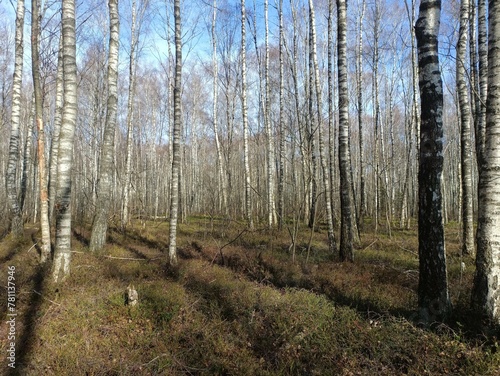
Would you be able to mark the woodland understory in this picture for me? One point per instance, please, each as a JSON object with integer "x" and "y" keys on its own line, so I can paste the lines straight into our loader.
{"x": 289, "y": 187}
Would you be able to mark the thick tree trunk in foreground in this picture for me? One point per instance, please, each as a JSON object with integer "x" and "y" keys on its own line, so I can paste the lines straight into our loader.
{"x": 62, "y": 253}
{"x": 105, "y": 180}
{"x": 346, "y": 239}
{"x": 433, "y": 299}
{"x": 16, "y": 220}
{"x": 486, "y": 290}
{"x": 35, "y": 69}
{"x": 176, "y": 147}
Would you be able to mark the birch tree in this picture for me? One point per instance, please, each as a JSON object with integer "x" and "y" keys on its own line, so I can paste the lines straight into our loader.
{"x": 16, "y": 220}
{"x": 332, "y": 244}
{"x": 105, "y": 180}
{"x": 346, "y": 238}
{"x": 433, "y": 298}
{"x": 42, "y": 175}
{"x": 486, "y": 289}
{"x": 244, "y": 109}
{"x": 465, "y": 133}
{"x": 62, "y": 253}
{"x": 176, "y": 147}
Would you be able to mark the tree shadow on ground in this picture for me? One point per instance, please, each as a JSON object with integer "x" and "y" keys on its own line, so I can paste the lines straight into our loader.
{"x": 27, "y": 340}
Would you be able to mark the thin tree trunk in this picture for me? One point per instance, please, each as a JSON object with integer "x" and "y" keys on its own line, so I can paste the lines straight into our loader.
{"x": 248, "y": 189}
{"x": 482, "y": 40}
{"x": 16, "y": 220}
{"x": 35, "y": 68}
{"x": 465, "y": 134}
{"x": 332, "y": 244}
{"x": 220, "y": 168}
{"x": 105, "y": 180}
{"x": 130, "y": 113}
{"x": 176, "y": 147}
{"x": 486, "y": 289}
{"x": 271, "y": 208}
{"x": 346, "y": 240}
{"x": 433, "y": 298}
{"x": 57, "y": 128}
{"x": 359, "y": 76}
{"x": 62, "y": 254}
{"x": 281, "y": 177}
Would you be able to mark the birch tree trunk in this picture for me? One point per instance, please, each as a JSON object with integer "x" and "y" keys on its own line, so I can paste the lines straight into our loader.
{"x": 176, "y": 147}
{"x": 105, "y": 180}
{"x": 281, "y": 177}
{"x": 220, "y": 169}
{"x": 130, "y": 113}
{"x": 359, "y": 89}
{"x": 16, "y": 220}
{"x": 248, "y": 188}
{"x": 486, "y": 289}
{"x": 332, "y": 244}
{"x": 482, "y": 41}
{"x": 465, "y": 134}
{"x": 42, "y": 175}
{"x": 271, "y": 208}
{"x": 433, "y": 298}
{"x": 62, "y": 253}
{"x": 346, "y": 239}
{"x": 57, "y": 128}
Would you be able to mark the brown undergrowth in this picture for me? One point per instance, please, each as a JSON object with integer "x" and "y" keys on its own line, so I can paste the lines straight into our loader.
{"x": 238, "y": 305}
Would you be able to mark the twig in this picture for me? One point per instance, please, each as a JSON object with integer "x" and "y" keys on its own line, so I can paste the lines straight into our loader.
{"x": 33, "y": 246}
{"x": 77, "y": 252}
{"x": 407, "y": 250}
{"x": 369, "y": 245}
{"x": 126, "y": 258}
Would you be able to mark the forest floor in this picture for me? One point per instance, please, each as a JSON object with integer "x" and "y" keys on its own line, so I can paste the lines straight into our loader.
{"x": 238, "y": 304}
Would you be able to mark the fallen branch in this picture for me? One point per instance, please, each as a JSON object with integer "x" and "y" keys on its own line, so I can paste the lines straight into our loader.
{"x": 126, "y": 258}
{"x": 369, "y": 245}
{"x": 33, "y": 246}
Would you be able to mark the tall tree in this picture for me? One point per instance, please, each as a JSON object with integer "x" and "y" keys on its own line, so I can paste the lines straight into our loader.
{"x": 281, "y": 177}
{"x": 346, "y": 234}
{"x": 16, "y": 220}
{"x": 62, "y": 253}
{"x": 482, "y": 41}
{"x": 130, "y": 113}
{"x": 105, "y": 180}
{"x": 359, "y": 90}
{"x": 486, "y": 289}
{"x": 271, "y": 209}
{"x": 37, "y": 89}
{"x": 332, "y": 244}
{"x": 176, "y": 147}
{"x": 465, "y": 133}
{"x": 244, "y": 109}
{"x": 433, "y": 298}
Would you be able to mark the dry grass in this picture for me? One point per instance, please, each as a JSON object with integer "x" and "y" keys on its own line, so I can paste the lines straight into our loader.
{"x": 238, "y": 305}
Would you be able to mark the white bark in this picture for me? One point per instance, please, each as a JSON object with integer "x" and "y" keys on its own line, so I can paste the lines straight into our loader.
{"x": 486, "y": 290}
{"x": 12, "y": 194}
{"x": 62, "y": 253}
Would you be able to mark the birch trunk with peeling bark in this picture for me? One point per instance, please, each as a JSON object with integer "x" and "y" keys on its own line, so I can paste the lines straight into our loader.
{"x": 130, "y": 114}
{"x": 465, "y": 133}
{"x": 62, "y": 253}
{"x": 433, "y": 298}
{"x": 332, "y": 243}
{"x": 105, "y": 180}
{"x": 248, "y": 188}
{"x": 37, "y": 89}
{"x": 16, "y": 220}
{"x": 486, "y": 289}
{"x": 176, "y": 146}
{"x": 346, "y": 238}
